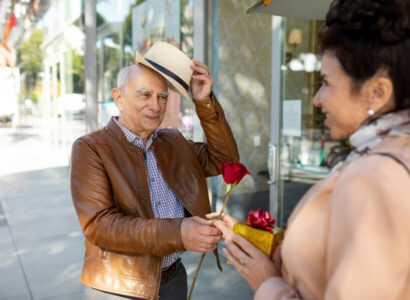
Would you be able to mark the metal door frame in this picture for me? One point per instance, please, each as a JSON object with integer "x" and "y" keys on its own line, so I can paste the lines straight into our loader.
{"x": 275, "y": 199}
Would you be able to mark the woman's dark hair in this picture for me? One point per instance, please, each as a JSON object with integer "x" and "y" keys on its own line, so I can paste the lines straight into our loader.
{"x": 371, "y": 36}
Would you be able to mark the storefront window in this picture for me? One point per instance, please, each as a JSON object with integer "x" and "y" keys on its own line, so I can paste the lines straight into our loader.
{"x": 52, "y": 59}
{"x": 306, "y": 150}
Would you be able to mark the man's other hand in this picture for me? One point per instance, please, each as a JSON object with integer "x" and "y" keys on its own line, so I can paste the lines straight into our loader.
{"x": 201, "y": 82}
{"x": 199, "y": 235}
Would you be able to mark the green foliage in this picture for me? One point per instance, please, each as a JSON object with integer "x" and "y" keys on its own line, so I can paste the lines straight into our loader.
{"x": 100, "y": 20}
{"x": 34, "y": 96}
{"x": 77, "y": 72}
{"x": 30, "y": 56}
{"x": 30, "y": 59}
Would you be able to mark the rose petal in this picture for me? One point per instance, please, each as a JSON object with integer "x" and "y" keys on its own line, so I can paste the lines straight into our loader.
{"x": 233, "y": 172}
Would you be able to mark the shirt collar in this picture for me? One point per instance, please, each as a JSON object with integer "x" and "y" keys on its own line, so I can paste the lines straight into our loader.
{"x": 134, "y": 138}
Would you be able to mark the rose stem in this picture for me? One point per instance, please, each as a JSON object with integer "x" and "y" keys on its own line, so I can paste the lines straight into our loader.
{"x": 196, "y": 275}
{"x": 226, "y": 202}
{"x": 203, "y": 254}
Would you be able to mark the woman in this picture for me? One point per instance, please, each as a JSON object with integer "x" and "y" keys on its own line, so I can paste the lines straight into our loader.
{"x": 349, "y": 236}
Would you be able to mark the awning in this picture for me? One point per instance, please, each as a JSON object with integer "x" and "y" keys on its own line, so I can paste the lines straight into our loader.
{"x": 304, "y": 9}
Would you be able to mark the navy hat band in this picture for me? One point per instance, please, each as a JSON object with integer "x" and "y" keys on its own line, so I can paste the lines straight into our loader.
{"x": 169, "y": 73}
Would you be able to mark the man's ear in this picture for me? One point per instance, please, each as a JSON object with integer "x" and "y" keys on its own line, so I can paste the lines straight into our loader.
{"x": 381, "y": 94}
{"x": 116, "y": 94}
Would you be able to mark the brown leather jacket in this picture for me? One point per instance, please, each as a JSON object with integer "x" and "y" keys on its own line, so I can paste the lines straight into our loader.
{"x": 124, "y": 242}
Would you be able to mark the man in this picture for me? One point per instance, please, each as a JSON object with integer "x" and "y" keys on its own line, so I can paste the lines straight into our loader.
{"x": 139, "y": 191}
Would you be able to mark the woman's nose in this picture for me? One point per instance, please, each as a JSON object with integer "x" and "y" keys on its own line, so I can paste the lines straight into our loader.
{"x": 316, "y": 99}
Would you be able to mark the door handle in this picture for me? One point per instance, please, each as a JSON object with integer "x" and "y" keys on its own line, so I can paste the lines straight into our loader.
{"x": 272, "y": 163}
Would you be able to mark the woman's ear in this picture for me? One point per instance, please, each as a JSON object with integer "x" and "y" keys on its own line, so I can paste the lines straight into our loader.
{"x": 381, "y": 94}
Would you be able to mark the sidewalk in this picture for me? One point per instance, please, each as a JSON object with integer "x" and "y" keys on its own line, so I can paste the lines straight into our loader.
{"x": 42, "y": 247}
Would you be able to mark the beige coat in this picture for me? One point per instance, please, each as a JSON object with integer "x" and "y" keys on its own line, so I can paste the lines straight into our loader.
{"x": 349, "y": 237}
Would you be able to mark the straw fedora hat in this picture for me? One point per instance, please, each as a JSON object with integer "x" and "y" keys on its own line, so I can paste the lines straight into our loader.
{"x": 171, "y": 63}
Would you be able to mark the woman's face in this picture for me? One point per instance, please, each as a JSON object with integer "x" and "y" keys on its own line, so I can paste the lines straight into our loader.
{"x": 345, "y": 109}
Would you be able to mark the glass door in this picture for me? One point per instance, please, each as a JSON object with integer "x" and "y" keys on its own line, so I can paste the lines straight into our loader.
{"x": 305, "y": 153}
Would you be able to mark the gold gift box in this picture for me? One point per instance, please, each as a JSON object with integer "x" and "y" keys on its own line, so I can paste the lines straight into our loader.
{"x": 264, "y": 240}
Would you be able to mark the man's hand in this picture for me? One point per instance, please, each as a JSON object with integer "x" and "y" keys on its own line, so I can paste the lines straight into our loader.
{"x": 224, "y": 223}
{"x": 199, "y": 235}
{"x": 201, "y": 82}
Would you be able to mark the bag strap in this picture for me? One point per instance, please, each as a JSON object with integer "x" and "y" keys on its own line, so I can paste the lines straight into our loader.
{"x": 394, "y": 157}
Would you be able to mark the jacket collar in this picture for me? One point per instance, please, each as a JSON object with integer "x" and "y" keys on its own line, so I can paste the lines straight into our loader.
{"x": 118, "y": 133}
{"x": 115, "y": 131}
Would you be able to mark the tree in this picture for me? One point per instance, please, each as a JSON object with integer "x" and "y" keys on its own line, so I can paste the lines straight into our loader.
{"x": 78, "y": 70}
{"x": 30, "y": 59}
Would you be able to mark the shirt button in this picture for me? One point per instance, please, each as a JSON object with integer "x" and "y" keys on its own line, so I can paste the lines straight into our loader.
{"x": 159, "y": 203}
{"x": 208, "y": 105}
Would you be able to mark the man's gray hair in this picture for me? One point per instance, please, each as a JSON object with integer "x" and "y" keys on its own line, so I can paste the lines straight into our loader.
{"x": 124, "y": 75}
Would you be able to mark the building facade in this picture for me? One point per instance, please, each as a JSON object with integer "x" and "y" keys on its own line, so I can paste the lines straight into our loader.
{"x": 266, "y": 71}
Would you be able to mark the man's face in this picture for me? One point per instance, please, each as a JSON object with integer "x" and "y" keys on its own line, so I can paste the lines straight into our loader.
{"x": 142, "y": 101}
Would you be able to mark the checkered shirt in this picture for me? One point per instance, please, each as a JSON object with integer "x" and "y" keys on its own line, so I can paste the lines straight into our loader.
{"x": 164, "y": 203}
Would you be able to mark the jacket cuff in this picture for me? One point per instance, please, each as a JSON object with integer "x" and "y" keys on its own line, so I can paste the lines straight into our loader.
{"x": 209, "y": 109}
{"x": 169, "y": 232}
{"x": 180, "y": 244}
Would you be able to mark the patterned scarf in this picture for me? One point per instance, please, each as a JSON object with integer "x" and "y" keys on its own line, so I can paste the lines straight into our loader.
{"x": 370, "y": 134}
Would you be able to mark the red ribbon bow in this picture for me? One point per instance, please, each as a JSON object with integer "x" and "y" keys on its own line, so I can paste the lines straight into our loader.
{"x": 260, "y": 219}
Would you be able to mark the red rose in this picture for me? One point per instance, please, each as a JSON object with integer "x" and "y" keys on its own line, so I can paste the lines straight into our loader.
{"x": 260, "y": 219}
{"x": 233, "y": 172}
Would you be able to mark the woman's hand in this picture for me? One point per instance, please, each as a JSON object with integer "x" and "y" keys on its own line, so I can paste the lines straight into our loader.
{"x": 251, "y": 263}
{"x": 201, "y": 82}
{"x": 224, "y": 223}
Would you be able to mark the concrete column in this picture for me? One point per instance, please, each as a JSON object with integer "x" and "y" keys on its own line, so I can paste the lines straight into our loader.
{"x": 63, "y": 89}
{"x": 200, "y": 53}
{"x": 54, "y": 82}
{"x": 54, "y": 107}
{"x": 63, "y": 92}
{"x": 91, "y": 113}
{"x": 200, "y": 15}
{"x": 47, "y": 90}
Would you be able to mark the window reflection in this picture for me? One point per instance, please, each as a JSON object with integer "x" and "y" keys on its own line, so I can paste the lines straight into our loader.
{"x": 127, "y": 26}
{"x": 307, "y": 150}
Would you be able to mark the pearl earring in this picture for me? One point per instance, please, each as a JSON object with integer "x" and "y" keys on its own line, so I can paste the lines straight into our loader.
{"x": 370, "y": 112}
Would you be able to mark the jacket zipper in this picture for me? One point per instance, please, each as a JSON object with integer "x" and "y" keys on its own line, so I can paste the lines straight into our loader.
{"x": 104, "y": 253}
